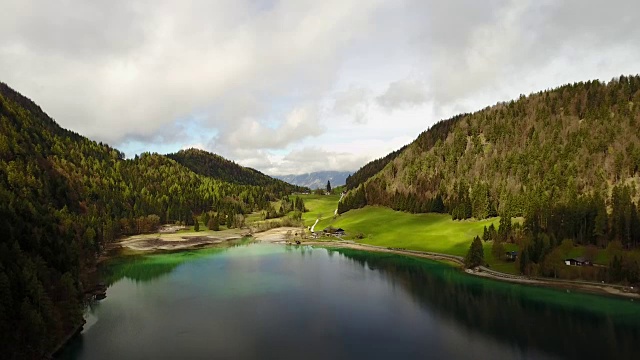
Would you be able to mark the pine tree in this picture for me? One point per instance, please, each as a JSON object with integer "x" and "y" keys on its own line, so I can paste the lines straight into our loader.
{"x": 328, "y": 186}
{"x": 600, "y": 228}
{"x": 504, "y": 230}
{"x": 205, "y": 218}
{"x": 493, "y": 234}
{"x": 497, "y": 249}
{"x": 475, "y": 256}
{"x": 213, "y": 223}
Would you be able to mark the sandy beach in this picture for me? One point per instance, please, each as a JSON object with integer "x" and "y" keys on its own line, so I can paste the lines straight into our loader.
{"x": 178, "y": 241}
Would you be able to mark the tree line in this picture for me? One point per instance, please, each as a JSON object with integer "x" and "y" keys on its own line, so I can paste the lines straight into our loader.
{"x": 63, "y": 197}
{"x": 566, "y": 160}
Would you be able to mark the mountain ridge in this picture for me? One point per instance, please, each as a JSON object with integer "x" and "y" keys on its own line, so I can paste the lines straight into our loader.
{"x": 316, "y": 179}
{"x": 213, "y": 165}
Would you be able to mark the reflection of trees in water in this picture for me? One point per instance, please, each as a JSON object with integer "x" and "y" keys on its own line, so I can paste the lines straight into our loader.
{"x": 510, "y": 314}
{"x": 143, "y": 268}
{"x": 302, "y": 249}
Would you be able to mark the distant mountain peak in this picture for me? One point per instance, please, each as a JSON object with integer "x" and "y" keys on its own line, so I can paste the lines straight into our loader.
{"x": 317, "y": 179}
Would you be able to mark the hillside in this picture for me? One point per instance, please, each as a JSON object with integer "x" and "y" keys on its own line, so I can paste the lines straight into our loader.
{"x": 370, "y": 169}
{"x": 582, "y": 138}
{"x": 317, "y": 180}
{"x": 62, "y": 198}
{"x": 215, "y": 166}
{"x": 566, "y": 159}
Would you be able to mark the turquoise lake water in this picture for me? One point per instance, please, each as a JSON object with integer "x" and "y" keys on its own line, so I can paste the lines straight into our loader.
{"x": 267, "y": 301}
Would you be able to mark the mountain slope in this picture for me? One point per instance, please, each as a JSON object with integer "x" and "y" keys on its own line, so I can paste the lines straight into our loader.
{"x": 215, "y": 166}
{"x": 557, "y": 157}
{"x": 62, "y": 198}
{"x": 370, "y": 169}
{"x": 318, "y": 179}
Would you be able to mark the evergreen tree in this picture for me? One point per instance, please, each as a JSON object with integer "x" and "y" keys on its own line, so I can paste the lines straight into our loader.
{"x": 524, "y": 260}
{"x": 213, "y": 223}
{"x": 601, "y": 228}
{"x": 493, "y": 234}
{"x": 328, "y": 187}
{"x": 504, "y": 229}
{"x": 205, "y": 218}
{"x": 475, "y": 256}
{"x": 497, "y": 249}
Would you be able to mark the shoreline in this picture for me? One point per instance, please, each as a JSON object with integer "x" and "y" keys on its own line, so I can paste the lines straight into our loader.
{"x": 191, "y": 241}
{"x": 66, "y": 340}
{"x": 585, "y": 287}
{"x": 481, "y": 271}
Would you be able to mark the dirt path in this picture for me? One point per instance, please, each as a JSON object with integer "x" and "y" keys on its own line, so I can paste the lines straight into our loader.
{"x": 314, "y": 224}
{"x": 341, "y": 196}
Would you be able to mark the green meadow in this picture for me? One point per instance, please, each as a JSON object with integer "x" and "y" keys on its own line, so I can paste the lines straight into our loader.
{"x": 427, "y": 232}
{"x": 320, "y": 206}
{"x": 382, "y": 226}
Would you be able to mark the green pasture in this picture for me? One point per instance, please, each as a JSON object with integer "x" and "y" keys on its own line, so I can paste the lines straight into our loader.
{"x": 320, "y": 206}
{"x": 426, "y": 232}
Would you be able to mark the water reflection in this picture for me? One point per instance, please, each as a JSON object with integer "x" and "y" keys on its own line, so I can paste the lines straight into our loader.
{"x": 148, "y": 267}
{"x": 570, "y": 325}
{"x": 274, "y": 301}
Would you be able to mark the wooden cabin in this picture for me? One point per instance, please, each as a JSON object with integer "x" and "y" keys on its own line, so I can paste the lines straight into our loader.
{"x": 579, "y": 261}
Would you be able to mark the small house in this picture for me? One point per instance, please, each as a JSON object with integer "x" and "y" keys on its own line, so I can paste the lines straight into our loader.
{"x": 339, "y": 232}
{"x": 511, "y": 255}
{"x": 579, "y": 261}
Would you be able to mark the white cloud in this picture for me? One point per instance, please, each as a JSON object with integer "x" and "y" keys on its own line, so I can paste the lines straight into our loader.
{"x": 271, "y": 84}
{"x": 508, "y": 47}
{"x": 126, "y": 70}
{"x": 353, "y": 102}
{"x": 310, "y": 159}
{"x": 300, "y": 123}
{"x": 402, "y": 94}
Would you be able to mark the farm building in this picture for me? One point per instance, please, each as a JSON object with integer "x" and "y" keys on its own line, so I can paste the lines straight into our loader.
{"x": 511, "y": 255}
{"x": 579, "y": 261}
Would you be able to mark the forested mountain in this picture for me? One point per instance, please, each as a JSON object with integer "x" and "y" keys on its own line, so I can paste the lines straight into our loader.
{"x": 566, "y": 159}
{"x": 62, "y": 197}
{"x": 215, "y": 166}
{"x": 370, "y": 169}
{"x": 316, "y": 180}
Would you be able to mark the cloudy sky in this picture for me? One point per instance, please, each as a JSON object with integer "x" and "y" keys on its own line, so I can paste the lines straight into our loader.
{"x": 294, "y": 86}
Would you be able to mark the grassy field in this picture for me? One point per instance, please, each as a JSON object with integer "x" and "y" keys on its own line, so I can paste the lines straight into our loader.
{"x": 253, "y": 217}
{"x": 385, "y": 227}
{"x": 382, "y": 226}
{"x": 427, "y": 232}
{"x": 320, "y": 206}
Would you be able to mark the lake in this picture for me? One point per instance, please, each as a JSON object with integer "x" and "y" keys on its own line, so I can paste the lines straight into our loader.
{"x": 270, "y": 301}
